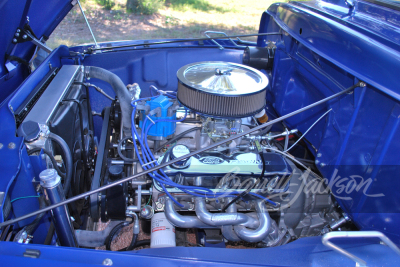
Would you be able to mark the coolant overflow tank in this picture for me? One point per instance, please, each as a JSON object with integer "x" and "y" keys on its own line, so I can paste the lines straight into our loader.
{"x": 222, "y": 89}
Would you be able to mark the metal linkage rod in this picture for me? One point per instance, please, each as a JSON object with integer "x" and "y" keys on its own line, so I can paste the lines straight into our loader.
{"x": 87, "y": 23}
{"x": 163, "y": 165}
{"x": 185, "y": 40}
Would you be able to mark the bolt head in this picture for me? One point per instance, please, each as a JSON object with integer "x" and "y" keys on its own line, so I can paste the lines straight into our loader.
{"x": 159, "y": 206}
{"x": 24, "y": 36}
{"x": 11, "y": 145}
{"x": 1, "y": 145}
{"x": 107, "y": 262}
{"x": 14, "y": 40}
{"x": 16, "y": 34}
{"x": 18, "y": 30}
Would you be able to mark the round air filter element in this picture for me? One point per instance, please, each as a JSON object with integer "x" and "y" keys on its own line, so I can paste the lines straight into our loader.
{"x": 222, "y": 89}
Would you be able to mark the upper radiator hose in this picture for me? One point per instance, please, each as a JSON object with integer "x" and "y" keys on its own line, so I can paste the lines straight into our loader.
{"x": 119, "y": 89}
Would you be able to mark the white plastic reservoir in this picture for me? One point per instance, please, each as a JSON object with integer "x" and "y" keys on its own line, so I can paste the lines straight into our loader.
{"x": 162, "y": 232}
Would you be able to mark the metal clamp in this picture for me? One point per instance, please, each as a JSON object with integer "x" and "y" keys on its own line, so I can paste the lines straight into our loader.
{"x": 356, "y": 234}
{"x": 206, "y": 33}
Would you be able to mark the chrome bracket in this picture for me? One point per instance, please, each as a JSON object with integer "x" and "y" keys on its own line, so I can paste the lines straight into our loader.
{"x": 326, "y": 240}
{"x": 206, "y": 33}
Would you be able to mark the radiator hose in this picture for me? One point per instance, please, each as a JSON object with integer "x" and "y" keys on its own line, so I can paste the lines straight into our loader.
{"x": 68, "y": 160}
{"x": 119, "y": 89}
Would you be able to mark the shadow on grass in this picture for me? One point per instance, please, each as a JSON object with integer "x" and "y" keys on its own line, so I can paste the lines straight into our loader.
{"x": 202, "y": 5}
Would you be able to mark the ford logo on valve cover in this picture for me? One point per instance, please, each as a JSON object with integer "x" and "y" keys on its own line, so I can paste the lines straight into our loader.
{"x": 211, "y": 160}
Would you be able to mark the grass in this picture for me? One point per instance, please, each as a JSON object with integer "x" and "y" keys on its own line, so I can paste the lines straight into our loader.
{"x": 177, "y": 19}
{"x": 198, "y": 5}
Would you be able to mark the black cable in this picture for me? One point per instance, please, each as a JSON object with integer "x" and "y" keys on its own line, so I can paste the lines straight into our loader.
{"x": 126, "y": 159}
{"x": 33, "y": 225}
{"x": 53, "y": 160}
{"x": 90, "y": 116}
{"x": 176, "y": 138}
{"x": 251, "y": 187}
{"x": 306, "y": 161}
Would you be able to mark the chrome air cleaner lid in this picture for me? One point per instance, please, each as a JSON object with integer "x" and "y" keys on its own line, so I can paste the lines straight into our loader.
{"x": 222, "y": 89}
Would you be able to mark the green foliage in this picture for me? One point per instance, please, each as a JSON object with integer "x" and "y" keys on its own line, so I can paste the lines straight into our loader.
{"x": 191, "y": 5}
{"x": 145, "y": 7}
{"x": 108, "y": 4}
{"x": 171, "y": 21}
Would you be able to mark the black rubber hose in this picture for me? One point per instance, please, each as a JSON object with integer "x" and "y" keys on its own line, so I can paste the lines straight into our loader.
{"x": 49, "y": 235}
{"x": 53, "y": 160}
{"x": 67, "y": 159}
{"x": 140, "y": 243}
{"x": 119, "y": 89}
{"x": 113, "y": 233}
{"x": 251, "y": 187}
{"x": 191, "y": 120}
{"x": 176, "y": 138}
{"x": 265, "y": 130}
{"x": 126, "y": 159}
{"x": 132, "y": 245}
{"x": 116, "y": 230}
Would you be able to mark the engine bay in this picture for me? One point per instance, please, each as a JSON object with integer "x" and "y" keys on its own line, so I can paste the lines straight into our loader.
{"x": 217, "y": 150}
{"x": 241, "y": 187}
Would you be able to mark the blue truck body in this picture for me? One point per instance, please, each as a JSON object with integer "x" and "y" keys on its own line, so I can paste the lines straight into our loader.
{"x": 325, "y": 47}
